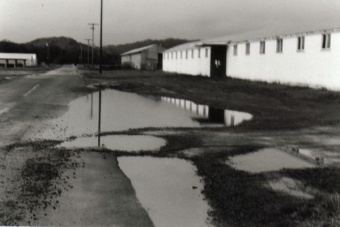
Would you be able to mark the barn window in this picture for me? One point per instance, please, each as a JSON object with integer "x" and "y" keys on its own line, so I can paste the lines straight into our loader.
{"x": 262, "y": 47}
{"x": 192, "y": 53}
{"x": 326, "y": 41}
{"x": 301, "y": 43}
{"x": 186, "y": 54}
{"x": 180, "y": 54}
{"x": 235, "y": 50}
{"x": 206, "y": 52}
{"x": 247, "y": 48}
{"x": 199, "y": 52}
{"x": 279, "y": 45}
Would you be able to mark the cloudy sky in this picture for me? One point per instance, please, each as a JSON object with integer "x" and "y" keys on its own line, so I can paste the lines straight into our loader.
{"x": 133, "y": 20}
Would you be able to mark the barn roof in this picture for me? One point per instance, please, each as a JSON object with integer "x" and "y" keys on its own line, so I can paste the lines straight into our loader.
{"x": 262, "y": 35}
{"x": 248, "y": 36}
{"x": 17, "y": 56}
{"x": 138, "y": 50}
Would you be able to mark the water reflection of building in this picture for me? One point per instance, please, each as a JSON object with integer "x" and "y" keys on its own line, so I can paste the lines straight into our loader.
{"x": 206, "y": 114}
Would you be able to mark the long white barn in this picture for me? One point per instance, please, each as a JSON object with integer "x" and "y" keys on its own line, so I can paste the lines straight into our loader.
{"x": 305, "y": 58}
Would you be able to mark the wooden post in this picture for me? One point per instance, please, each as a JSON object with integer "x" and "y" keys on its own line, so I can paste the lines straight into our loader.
{"x": 99, "y": 116}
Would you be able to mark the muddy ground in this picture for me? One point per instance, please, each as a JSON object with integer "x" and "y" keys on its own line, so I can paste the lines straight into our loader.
{"x": 283, "y": 116}
{"x": 44, "y": 185}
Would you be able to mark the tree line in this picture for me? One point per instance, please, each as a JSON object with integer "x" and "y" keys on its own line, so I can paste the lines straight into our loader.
{"x": 64, "y": 50}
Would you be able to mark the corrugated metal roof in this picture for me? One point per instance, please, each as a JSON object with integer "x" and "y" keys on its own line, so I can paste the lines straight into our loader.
{"x": 262, "y": 35}
{"x": 249, "y": 36}
{"x": 17, "y": 56}
{"x": 138, "y": 50}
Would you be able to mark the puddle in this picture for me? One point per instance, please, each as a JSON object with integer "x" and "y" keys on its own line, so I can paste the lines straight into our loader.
{"x": 268, "y": 159}
{"x": 168, "y": 189}
{"x": 123, "y": 111}
{"x": 290, "y": 186}
{"x": 118, "y": 142}
{"x": 206, "y": 114}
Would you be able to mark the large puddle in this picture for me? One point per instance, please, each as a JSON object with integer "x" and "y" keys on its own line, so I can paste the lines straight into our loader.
{"x": 168, "y": 189}
{"x": 123, "y": 111}
{"x": 118, "y": 142}
{"x": 268, "y": 159}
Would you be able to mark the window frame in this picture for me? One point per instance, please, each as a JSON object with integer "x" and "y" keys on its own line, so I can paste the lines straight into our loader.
{"x": 263, "y": 47}
{"x": 279, "y": 45}
{"x": 235, "y": 50}
{"x": 301, "y": 43}
{"x": 326, "y": 41}
{"x": 247, "y": 48}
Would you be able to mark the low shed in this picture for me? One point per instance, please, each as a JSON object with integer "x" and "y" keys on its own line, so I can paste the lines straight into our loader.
{"x": 148, "y": 57}
{"x": 15, "y": 59}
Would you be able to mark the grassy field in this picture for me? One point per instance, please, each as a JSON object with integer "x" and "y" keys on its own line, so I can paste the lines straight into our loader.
{"x": 283, "y": 115}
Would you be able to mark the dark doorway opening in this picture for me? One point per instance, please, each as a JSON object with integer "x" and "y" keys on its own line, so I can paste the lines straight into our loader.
{"x": 160, "y": 61}
{"x": 218, "y": 61}
{"x": 216, "y": 115}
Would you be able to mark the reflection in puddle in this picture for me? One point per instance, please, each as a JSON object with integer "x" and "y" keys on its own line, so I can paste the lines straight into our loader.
{"x": 209, "y": 114}
{"x": 119, "y": 142}
{"x": 168, "y": 189}
{"x": 321, "y": 157}
{"x": 268, "y": 159}
{"x": 123, "y": 111}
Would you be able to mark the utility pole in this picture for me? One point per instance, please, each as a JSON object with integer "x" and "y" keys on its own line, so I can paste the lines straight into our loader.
{"x": 88, "y": 51}
{"x": 92, "y": 27}
{"x": 81, "y": 54}
{"x": 101, "y": 37}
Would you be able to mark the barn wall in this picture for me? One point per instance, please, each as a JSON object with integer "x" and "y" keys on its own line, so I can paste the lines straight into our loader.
{"x": 314, "y": 66}
{"x": 186, "y": 62}
{"x": 31, "y": 59}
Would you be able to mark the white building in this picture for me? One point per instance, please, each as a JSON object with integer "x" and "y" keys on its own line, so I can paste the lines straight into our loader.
{"x": 14, "y": 60}
{"x": 149, "y": 57}
{"x": 304, "y": 58}
{"x": 195, "y": 58}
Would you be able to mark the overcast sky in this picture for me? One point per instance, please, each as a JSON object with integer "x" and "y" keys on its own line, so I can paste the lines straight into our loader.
{"x": 133, "y": 20}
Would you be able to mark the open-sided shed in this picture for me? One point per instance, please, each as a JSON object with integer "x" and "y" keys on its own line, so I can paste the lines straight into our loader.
{"x": 16, "y": 59}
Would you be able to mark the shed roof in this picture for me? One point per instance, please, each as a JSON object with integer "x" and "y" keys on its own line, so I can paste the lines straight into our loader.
{"x": 138, "y": 50}
{"x": 17, "y": 56}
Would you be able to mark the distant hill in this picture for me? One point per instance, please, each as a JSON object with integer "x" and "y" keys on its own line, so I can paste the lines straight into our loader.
{"x": 64, "y": 50}
{"x": 62, "y": 42}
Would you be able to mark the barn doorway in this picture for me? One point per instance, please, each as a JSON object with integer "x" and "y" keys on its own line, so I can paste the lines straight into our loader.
{"x": 218, "y": 61}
